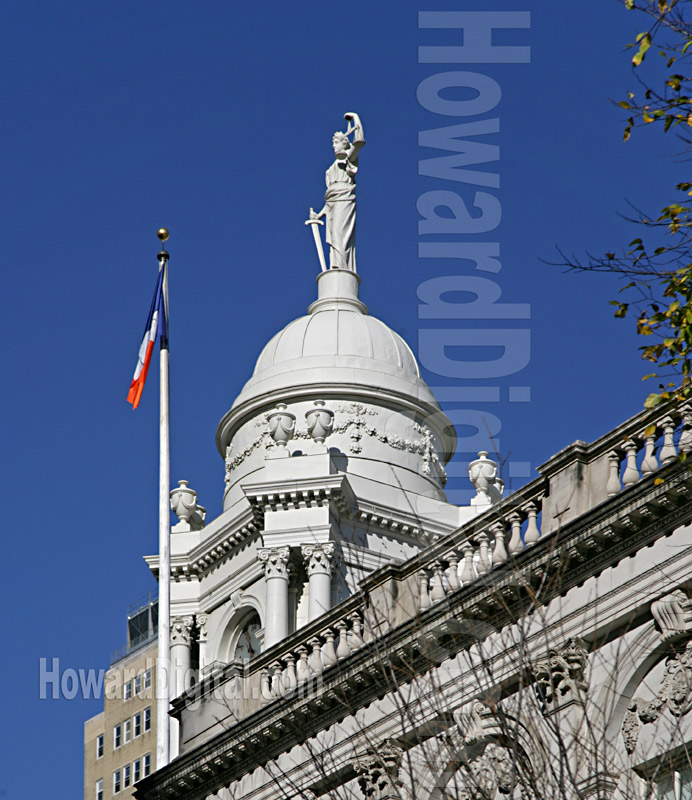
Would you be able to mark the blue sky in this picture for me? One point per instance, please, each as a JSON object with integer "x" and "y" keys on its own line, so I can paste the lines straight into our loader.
{"x": 215, "y": 120}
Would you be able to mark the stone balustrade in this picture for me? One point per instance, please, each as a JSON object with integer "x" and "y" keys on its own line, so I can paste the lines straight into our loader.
{"x": 510, "y": 529}
{"x": 572, "y": 483}
{"x": 308, "y": 660}
{"x": 646, "y": 448}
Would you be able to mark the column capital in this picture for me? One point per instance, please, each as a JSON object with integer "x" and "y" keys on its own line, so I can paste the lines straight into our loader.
{"x": 319, "y": 558}
{"x": 275, "y": 561}
{"x": 181, "y": 629}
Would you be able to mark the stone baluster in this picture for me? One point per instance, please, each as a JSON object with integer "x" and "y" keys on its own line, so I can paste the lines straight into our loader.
{"x": 453, "y": 572}
{"x": 515, "y": 543}
{"x": 468, "y": 573}
{"x": 265, "y": 685}
{"x": 613, "y": 485}
{"x": 316, "y": 667}
{"x": 499, "y": 550}
{"x": 668, "y": 451}
{"x": 329, "y": 653}
{"x": 631, "y": 473}
{"x": 685, "y": 442}
{"x": 532, "y": 533}
{"x": 343, "y": 650}
{"x": 277, "y": 688}
{"x": 356, "y": 631}
{"x": 276, "y": 572}
{"x": 649, "y": 462}
{"x": 290, "y": 678}
{"x": 438, "y": 590}
{"x": 302, "y": 667}
{"x": 483, "y": 565}
{"x": 319, "y": 564}
{"x": 423, "y": 594}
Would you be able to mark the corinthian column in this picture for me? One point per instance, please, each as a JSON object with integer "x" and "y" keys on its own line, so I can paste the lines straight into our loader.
{"x": 275, "y": 562}
{"x": 319, "y": 565}
{"x": 181, "y": 637}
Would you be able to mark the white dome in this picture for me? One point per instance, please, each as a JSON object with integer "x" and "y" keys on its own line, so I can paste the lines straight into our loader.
{"x": 338, "y": 353}
{"x": 337, "y": 349}
{"x": 337, "y": 331}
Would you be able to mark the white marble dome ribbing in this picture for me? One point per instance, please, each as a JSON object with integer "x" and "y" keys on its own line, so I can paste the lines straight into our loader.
{"x": 340, "y": 354}
{"x": 340, "y": 331}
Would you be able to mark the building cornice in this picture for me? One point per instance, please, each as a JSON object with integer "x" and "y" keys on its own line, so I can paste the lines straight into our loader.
{"x": 564, "y": 559}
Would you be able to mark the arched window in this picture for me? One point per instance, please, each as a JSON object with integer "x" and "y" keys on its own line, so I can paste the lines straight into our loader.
{"x": 247, "y": 643}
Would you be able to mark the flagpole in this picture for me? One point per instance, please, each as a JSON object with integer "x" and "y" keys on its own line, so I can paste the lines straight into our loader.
{"x": 163, "y": 667}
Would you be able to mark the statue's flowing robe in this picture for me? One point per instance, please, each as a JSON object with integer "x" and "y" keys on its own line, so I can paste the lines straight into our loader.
{"x": 340, "y": 201}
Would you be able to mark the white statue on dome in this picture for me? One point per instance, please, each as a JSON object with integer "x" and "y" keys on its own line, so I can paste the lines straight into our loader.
{"x": 340, "y": 199}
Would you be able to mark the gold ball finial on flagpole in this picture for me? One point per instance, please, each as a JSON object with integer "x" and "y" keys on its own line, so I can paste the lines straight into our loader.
{"x": 163, "y": 235}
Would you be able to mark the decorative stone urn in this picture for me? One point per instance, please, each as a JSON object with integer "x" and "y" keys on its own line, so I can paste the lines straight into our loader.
{"x": 282, "y": 425}
{"x": 185, "y": 506}
{"x": 483, "y": 476}
{"x": 320, "y": 421}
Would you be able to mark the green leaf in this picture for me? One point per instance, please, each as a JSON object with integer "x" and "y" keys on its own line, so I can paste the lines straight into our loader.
{"x": 644, "y": 40}
{"x": 653, "y": 400}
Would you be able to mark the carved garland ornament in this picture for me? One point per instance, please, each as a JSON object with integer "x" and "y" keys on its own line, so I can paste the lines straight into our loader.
{"x": 357, "y": 425}
{"x": 562, "y": 676}
{"x": 491, "y": 772}
{"x": 675, "y": 695}
{"x": 378, "y": 772}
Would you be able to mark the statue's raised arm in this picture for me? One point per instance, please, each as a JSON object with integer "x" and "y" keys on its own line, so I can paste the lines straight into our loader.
{"x": 340, "y": 197}
{"x": 355, "y": 127}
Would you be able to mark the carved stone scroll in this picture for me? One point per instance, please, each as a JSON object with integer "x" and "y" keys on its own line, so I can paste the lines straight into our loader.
{"x": 673, "y": 615}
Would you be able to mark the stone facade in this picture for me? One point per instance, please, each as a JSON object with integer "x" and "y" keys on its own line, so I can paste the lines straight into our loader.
{"x": 344, "y": 632}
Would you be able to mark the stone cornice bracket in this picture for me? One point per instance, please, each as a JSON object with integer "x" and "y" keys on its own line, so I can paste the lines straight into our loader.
{"x": 673, "y": 615}
{"x": 318, "y": 558}
{"x": 305, "y": 493}
{"x": 378, "y": 772}
{"x": 600, "y": 786}
{"x": 275, "y": 561}
{"x": 181, "y": 630}
{"x": 469, "y": 719}
{"x": 562, "y": 676}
